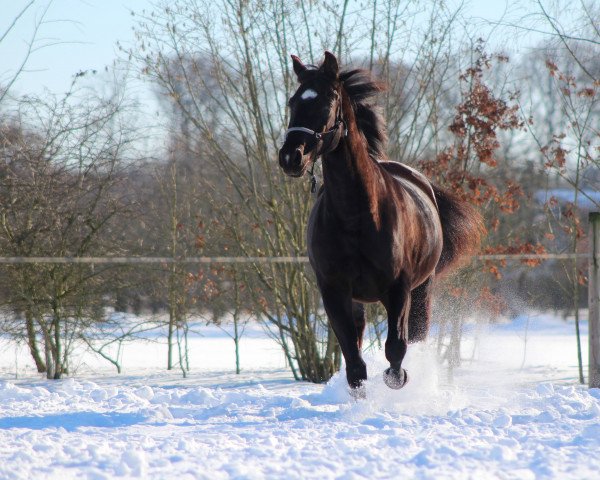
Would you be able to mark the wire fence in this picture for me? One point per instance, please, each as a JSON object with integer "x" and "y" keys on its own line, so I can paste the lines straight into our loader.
{"x": 247, "y": 260}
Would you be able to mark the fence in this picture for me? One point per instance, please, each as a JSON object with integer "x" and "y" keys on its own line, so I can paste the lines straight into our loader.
{"x": 247, "y": 260}
{"x": 593, "y": 274}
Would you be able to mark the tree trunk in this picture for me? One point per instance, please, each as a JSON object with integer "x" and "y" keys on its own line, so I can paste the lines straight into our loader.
{"x": 170, "y": 334}
{"x": 32, "y": 342}
{"x": 56, "y": 346}
{"x": 49, "y": 355}
{"x": 184, "y": 364}
{"x": 236, "y": 340}
{"x": 237, "y": 355}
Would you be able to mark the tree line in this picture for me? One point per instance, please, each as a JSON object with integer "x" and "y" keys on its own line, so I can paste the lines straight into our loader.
{"x": 75, "y": 180}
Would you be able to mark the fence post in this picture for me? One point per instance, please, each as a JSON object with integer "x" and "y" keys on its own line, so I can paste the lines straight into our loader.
{"x": 594, "y": 301}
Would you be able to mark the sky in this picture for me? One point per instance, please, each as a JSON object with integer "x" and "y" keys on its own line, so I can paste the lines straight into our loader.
{"x": 74, "y": 35}
{"x": 80, "y": 35}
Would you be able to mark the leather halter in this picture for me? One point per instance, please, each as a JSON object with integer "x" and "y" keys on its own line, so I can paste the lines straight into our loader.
{"x": 328, "y": 137}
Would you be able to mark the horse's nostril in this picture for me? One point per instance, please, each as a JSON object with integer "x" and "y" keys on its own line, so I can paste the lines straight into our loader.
{"x": 284, "y": 159}
{"x": 297, "y": 158}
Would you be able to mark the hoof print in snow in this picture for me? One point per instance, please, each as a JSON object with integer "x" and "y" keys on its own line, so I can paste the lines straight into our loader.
{"x": 395, "y": 379}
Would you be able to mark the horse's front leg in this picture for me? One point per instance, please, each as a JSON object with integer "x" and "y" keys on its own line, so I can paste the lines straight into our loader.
{"x": 360, "y": 321}
{"x": 397, "y": 306}
{"x": 337, "y": 301}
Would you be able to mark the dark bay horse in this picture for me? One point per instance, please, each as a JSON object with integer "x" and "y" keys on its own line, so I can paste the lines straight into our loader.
{"x": 379, "y": 231}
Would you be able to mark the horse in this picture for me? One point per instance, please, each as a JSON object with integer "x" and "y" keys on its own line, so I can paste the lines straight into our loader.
{"x": 379, "y": 231}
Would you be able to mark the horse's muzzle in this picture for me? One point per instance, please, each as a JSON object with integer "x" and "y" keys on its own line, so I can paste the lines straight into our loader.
{"x": 292, "y": 161}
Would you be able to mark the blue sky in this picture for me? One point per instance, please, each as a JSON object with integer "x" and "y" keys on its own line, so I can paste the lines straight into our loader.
{"x": 87, "y": 32}
{"x": 83, "y": 36}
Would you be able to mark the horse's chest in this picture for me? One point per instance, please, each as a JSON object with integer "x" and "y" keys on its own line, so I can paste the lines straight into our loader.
{"x": 359, "y": 255}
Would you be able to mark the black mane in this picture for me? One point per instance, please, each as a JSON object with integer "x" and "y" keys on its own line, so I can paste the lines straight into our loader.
{"x": 362, "y": 88}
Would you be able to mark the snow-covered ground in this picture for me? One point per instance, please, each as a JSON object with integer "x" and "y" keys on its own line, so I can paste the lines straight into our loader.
{"x": 514, "y": 411}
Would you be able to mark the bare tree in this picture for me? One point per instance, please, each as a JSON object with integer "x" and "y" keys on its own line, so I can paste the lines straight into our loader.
{"x": 11, "y": 77}
{"x": 232, "y": 97}
{"x": 225, "y": 67}
{"x": 567, "y": 134}
{"x": 62, "y": 163}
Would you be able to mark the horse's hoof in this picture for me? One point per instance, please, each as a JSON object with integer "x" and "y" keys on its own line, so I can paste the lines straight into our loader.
{"x": 358, "y": 393}
{"x": 395, "y": 379}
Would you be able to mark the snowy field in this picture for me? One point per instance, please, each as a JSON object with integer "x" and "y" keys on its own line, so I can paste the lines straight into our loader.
{"x": 515, "y": 411}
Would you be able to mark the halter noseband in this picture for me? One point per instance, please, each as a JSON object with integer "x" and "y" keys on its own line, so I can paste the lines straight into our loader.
{"x": 316, "y": 135}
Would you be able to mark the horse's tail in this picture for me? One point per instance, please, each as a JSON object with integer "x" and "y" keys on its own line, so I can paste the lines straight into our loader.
{"x": 462, "y": 228}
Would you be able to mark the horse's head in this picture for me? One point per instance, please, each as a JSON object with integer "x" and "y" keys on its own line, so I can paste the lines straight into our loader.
{"x": 316, "y": 123}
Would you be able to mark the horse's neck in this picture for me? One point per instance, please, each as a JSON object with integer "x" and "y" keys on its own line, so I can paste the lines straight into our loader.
{"x": 350, "y": 175}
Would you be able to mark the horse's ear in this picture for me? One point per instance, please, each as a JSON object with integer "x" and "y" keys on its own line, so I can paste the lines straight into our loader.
{"x": 330, "y": 65}
{"x": 299, "y": 67}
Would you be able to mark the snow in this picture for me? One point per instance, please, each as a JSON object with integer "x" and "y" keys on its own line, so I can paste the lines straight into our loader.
{"x": 514, "y": 412}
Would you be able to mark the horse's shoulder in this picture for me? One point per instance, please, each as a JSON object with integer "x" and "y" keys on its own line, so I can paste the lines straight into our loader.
{"x": 400, "y": 170}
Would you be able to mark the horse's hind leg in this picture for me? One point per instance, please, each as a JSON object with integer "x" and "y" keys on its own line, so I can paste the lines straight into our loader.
{"x": 358, "y": 312}
{"x": 420, "y": 312}
{"x": 398, "y": 307}
{"x": 340, "y": 311}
